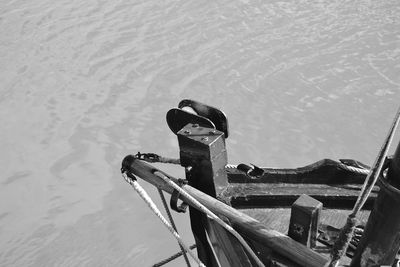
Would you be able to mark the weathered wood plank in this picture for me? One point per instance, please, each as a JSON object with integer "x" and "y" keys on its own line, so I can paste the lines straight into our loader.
{"x": 253, "y": 229}
{"x": 227, "y": 248}
{"x": 278, "y": 218}
{"x": 325, "y": 171}
{"x": 237, "y": 189}
{"x": 283, "y": 195}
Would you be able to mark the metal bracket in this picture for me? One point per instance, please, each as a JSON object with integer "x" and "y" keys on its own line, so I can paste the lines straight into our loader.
{"x": 174, "y": 203}
{"x": 190, "y": 111}
{"x": 252, "y": 171}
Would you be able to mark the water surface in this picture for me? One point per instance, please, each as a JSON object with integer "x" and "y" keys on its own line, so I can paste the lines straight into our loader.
{"x": 84, "y": 83}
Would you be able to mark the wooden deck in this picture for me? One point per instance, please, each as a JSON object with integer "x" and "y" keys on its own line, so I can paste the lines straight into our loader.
{"x": 278, "y": 218}
{"x": 269, "y": 199}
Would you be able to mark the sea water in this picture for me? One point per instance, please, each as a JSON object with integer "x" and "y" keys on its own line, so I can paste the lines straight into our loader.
{"x": 84, "y": 83}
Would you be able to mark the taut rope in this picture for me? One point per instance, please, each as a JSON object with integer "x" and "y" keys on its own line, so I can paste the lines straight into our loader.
{"x": 346, "y": 233}
{"x": 171, "y": 220}
{"x": 143, "y": 194}
{"x": 214, "y": 217}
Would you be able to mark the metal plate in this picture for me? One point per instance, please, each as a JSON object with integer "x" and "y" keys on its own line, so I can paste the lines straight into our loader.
{"x": 178, "y": 118}
{"x": 215, "y": 115}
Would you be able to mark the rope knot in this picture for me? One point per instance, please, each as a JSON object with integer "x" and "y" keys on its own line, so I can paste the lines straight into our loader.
{"x": 343, "y": 240}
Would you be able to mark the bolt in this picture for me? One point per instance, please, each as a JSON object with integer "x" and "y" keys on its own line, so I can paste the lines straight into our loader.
{"x": 204, "y": 139}
{"x": 195, "y": 125}
{"x": 186, "y": 132}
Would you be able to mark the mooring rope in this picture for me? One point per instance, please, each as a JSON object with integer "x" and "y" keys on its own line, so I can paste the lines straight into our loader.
{"x": 195, "y": 203}
{"x": 346, "y": 232}
{"x": 354, "y": 169}
{"x": 143, "y": 194}
{"x": 171, "y": 220}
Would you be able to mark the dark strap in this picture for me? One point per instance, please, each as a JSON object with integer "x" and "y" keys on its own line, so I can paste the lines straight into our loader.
{"x": 179, "y": 118}
{"x": 174, "y": 203}
{"x": 252, "y": 172}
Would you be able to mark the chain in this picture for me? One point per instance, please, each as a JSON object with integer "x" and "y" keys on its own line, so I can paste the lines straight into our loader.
{"x": 173, "y": 257}
{"x": 171, "y": 220}
{"x": 152, "y": 158}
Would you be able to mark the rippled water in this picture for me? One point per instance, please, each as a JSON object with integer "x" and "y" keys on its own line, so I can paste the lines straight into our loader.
{"x": 83, "y": 83}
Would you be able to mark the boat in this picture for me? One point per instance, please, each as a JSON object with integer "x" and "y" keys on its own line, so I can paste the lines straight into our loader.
{"x": 328, "y": 213}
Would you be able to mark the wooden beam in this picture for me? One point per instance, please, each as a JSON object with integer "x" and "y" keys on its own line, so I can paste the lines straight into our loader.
{"x": 325, "y": 171}
{"x": 242, "y": 195}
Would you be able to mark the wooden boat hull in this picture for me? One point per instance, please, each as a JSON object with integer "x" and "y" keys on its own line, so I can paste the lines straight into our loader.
{"x": 290, "y": 217}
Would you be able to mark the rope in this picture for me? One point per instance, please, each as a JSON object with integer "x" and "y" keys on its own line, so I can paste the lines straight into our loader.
{"x": 231, "y": 166}
{"x": 171, "y": 220}
{"x": 354, "y": 169}
{"x": 214, "y": 217}
{"x": 143, "y": 194}
{"x": 341, "y": 165}
{"x": 343, "y": 240}
{"x": 171, "y": 258}
{"x": 346, "y": 233}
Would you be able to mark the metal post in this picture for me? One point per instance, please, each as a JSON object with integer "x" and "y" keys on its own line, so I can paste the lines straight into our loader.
{"x": 203, "y": 154}
{"x": 381, "y": 240}
{"x": 304, "y": 220}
